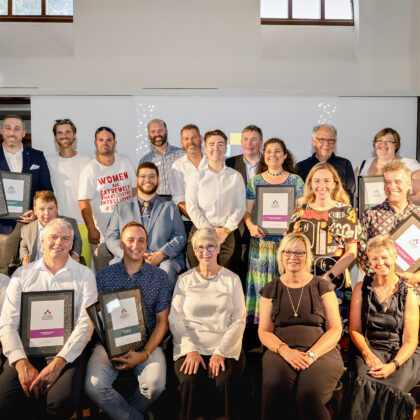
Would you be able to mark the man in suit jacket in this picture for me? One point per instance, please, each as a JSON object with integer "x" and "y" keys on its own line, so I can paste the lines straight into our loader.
{"x": 247, "y": 165}
{"x": 45, "y": 209}
{"x": 14, "y": 157}
{"x": 162, "y": 220}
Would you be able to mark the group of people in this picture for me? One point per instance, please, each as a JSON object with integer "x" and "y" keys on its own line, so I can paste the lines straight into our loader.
{"x": 183, "y": 228}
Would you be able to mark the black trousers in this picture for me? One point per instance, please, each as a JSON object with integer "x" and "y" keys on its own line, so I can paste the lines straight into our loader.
{"x": 60, "y": 401}
{"x": 290, "y": 394}
{"x": 202, "y": 396}
{"x": 9, "y": 248}
{"x": 230, "y": 251}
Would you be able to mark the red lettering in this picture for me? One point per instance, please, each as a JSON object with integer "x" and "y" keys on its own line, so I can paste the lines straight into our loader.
{"x": 101, "y": 181}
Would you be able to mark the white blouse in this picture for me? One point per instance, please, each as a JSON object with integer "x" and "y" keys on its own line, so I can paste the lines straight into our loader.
{"x": 208, "y": 315}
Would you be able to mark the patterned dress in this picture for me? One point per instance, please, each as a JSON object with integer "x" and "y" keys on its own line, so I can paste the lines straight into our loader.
{"x": 263, "y": 266}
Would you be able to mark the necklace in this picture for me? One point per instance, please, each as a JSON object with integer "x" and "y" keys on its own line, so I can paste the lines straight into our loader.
{"x": 277, "y": 174}
{"x": 384, "y": 296}
{"x": 295, "y": 310}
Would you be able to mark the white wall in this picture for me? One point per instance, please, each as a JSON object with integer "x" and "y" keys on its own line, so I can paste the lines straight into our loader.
{"x": 122, "y": 47}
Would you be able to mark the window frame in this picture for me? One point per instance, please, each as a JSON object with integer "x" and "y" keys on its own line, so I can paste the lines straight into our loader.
{"x": 43, "y": 17}
{"x": 290, "y": 20}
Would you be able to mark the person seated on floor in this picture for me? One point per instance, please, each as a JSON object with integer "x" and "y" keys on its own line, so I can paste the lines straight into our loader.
{"x": 384, "y": 328}
{"x": 45, "y": 209}
{"x": 300, "y": 325}
{"x": 207, "y": 320}
{"x": 162, "y": 220}
{"x": 149, "y": 364}
{"x": 46, "y": 385}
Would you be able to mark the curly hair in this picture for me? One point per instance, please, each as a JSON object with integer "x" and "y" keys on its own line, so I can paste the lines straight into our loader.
{"x": 289, "y": 162}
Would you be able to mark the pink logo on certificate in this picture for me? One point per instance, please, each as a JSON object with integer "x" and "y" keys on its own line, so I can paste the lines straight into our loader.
{"x": 404, "y": 255}
{"x": 275, "y": 204}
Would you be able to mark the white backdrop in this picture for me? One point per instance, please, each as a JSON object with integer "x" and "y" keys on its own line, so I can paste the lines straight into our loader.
{"x": 290, "y": 118}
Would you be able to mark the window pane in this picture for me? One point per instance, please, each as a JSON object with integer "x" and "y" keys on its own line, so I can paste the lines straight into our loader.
{"x": 338, "y": 9}
{"x": 274, "y": 9}
{"x": 3, "y": 7}
{"x": 26, "y": 7}
{"x": 60, "y": 7}
{"x": 306, "y": 9}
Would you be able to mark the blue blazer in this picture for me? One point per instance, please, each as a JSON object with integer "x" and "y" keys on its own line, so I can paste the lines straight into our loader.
{"x": 165, "y": 230}
{"x": 33, "y": 162}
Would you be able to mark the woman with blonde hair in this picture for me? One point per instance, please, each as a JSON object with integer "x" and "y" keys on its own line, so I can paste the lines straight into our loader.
{"x": 384, "y": 326}
{"x": 300, "y": 326}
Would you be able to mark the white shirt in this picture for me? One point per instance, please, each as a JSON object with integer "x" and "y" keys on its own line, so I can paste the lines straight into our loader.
{"x": 216, "y": 199}
{"x": 65, "y": 174}
{"x": 208, "y": 315}
{"x": 4, "y": 282}
{"x": 14, "y": 160}
{"x": 412, "y": 165}
{"x": 105, "y": 186}
{"x": 251, "y": 170}
{"x": 36, "y": 277}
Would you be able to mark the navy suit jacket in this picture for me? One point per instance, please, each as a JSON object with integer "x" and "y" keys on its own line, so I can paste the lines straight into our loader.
{"x": 165, "y": 230}
{"x": 33, "y": 162}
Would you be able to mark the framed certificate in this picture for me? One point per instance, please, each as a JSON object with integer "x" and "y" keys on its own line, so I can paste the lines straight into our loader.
{"x": 406, "y": 237}
{"x": 95, "y": 315}
{"x": 124, "y": 320}
{"x": 3, "y": 203}
{"x": 46, "y": 321}
{"x": 274, "y": 206}
{"x": 17, "y": 190}
{"x": 371, "y": 191}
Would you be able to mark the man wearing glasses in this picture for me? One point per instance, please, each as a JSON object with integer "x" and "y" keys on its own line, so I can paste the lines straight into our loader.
{"x": 161, "y": 219}
{"x": 324, "y": 138}
{"x": 105, "y": 181}
{"x": 65, "y": 168}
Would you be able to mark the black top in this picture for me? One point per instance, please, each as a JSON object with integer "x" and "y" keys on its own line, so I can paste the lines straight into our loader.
{"x": 341, "y": 165}
{"x": 303, "y": 331}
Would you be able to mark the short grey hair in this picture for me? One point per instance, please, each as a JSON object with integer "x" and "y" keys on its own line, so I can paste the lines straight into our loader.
{"x": 60, "y": 222}
{"x": 206, "y": 234}
{"x": 317, "y": 127}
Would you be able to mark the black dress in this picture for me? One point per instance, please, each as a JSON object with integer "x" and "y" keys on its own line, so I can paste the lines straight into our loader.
{"x": 287, "y": 393}
{"x": 389, "y": 398}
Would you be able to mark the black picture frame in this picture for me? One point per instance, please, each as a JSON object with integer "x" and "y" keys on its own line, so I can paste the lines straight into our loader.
{"x": 282, "y": 192}
{"x": 25, "y": 204}
{"x": 94, "y": 312}
{"x": 365, "y": 198}
{"x": 111, "y": 302}
{"x": 28, "y": 317}
{"x": 413, "y": 223}
{"x": 3, "y": 203}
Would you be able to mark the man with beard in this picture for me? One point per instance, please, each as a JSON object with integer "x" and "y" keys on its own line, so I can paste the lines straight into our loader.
{"x": 105, "y": 181}
{"x": 182, "y": 168}
{"x": 161, "y": 219}
{"x": 163, "y": 154}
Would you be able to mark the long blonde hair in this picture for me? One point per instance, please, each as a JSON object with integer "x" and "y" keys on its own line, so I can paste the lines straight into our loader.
{"x": 338, "y": 194}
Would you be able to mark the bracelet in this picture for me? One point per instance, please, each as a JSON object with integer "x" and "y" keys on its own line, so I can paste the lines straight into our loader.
{"x": 147, "y": 352}
{"x": 396, "y": 363}
{"x": 279, "y": 347}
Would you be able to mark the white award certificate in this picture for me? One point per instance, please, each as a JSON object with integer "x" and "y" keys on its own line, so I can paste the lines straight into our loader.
{"x": 374, "y": 193}
{"x": 14, "y": 192}
{"x": 46, "y": 323}
{"x": 408, "y": 247}
{"x": 125, "y": 322}
{"x": 275, "y": 210}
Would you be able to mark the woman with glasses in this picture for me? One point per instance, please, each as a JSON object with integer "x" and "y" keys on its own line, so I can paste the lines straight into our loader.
{"x": 207, "y": 321}
{"x": 276, "y": 167}
{"x": 386, "y": 144}
{"x": 325, "y": 217}
{"x": 384, "y": 328}
{"x": 300, "y": 326}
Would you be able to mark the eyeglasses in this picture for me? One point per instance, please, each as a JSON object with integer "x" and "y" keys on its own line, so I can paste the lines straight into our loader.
{"x": 298, "y": 254}
{"x": 110, "y": 130}
{"x": 323, "y": 140}
{"x": 386, "y": 142}
{"x": 209, "y": 248}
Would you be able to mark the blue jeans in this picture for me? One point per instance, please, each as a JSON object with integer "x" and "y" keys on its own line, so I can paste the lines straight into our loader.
{"x": 100, "y": 375}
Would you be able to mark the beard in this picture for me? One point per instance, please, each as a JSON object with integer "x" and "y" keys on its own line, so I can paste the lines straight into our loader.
{"x": 159, "y": 140}
{"x": 151, "y": 191}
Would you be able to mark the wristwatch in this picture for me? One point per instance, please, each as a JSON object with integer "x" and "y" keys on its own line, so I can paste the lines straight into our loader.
{"x": 311, "y": 354}
{"x": 331, "y": 276}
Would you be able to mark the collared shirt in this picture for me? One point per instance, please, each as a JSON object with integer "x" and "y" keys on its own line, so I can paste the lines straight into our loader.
{"x": 341, "y": 165}
{"x": 251, "y": 170}
{"x": 141, "y": 204}
{"x": 38, "y": 250}
{"x": 164, "y": 164}
{"x": 14, "y": 160}
{"x": 36, "y": 277}
{"x": 378, "y": 220}
{"x": 216, "y": 199}
{"x": 152, "y": 280}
